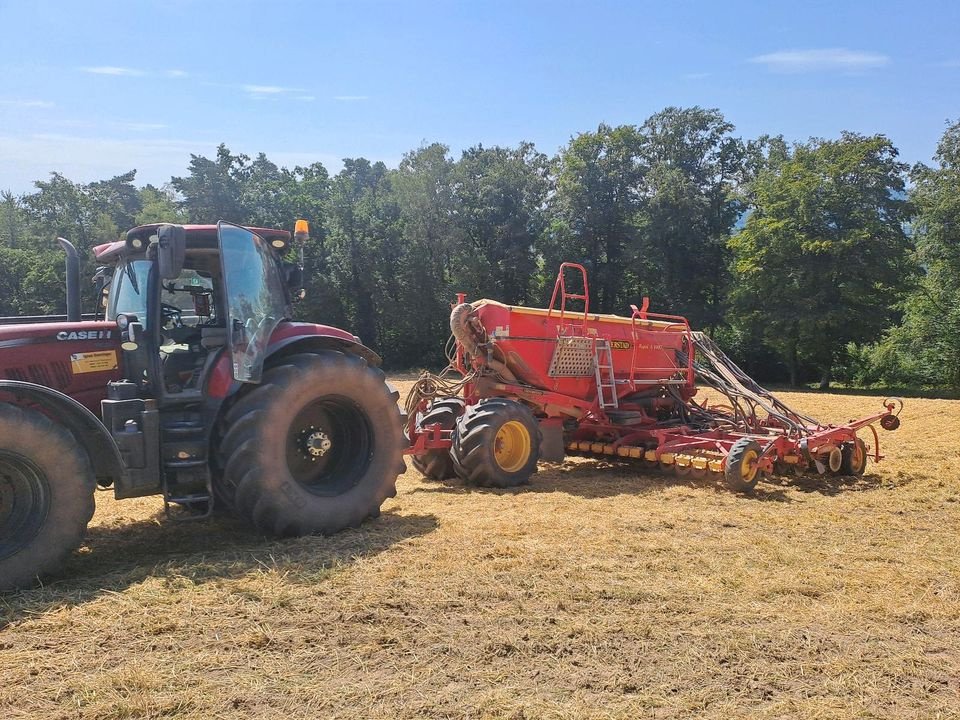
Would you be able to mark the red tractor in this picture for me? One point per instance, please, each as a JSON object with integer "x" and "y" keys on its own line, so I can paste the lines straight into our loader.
{"x": 190, "y": 382}
{"x": 527, "y": 384}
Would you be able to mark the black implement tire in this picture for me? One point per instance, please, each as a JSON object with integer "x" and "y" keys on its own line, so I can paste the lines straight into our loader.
{"x": 496, "y": 444}
{"x": 315, "y": 448}
{"x": 740, "y": 469}
{"x": 46, "y": 495}
{"x": 854, "y": 456}
{"x": 437, "y": 464}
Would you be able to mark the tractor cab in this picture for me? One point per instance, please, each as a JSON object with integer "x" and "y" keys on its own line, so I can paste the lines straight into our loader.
{"x": 195, "y": 307}
{"x": 182, "y": 296}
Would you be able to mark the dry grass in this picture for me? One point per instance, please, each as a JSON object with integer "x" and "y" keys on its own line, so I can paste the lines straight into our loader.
{"x": 598, "y": 591}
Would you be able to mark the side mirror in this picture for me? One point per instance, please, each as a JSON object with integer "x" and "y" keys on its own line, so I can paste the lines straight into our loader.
{"x": 171, "y": 250}
{"x": 101, "y": 283}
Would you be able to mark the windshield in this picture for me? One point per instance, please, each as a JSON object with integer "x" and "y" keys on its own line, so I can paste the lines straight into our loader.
{"x": 128, "y": 296}
{"x": 255, "y": 298}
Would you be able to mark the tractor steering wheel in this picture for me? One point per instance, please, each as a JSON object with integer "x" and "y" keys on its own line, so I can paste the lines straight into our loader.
{"x": 171, "y": 316}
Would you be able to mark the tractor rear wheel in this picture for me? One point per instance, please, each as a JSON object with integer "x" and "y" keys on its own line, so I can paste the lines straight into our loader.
{"x": 46, "y": 495}
{"x": 437, "y": 464}
{"x": 740, "y": 470}
{"x": 496, "y": 444}
{"x": 854, "y": 460}
{"x": 315, "y": 448}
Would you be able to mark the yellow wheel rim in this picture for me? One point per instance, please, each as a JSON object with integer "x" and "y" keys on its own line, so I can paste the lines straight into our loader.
{"x": 857, "y": 454}
{"x": 511, "y": 448}
{"x": 748, "y": 465}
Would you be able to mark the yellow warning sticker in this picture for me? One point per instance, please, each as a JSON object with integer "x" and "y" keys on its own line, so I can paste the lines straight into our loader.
{"x": 102, "y": 361}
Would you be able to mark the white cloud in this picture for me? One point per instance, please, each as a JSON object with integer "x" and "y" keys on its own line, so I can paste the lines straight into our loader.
{"x": 948, "y": 64}
{"x": 27, "y": 103}
{"x": 176, "y": 73}
{"x": 821, "y": 60}
{"x": 112, "y": 70}
{"x": 270, "y": 89}
{"x": 696, "y": 76}
{"x": 139, "y": 126}
{"x": 25, "y": 159}
{"x": 351, "y": 98}
{"x": 263, "y": 92}
{"x": 265, "y": 89}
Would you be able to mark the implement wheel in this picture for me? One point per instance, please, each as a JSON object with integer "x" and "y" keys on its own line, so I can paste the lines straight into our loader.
{"x": 854, "y": 460}
{"x": 46, "y": 495}
{"x": 496, "y": 444}
{"x": 315, "y": 448}
{"x": 437, "y": 464}
{"x": 741, "y": 471}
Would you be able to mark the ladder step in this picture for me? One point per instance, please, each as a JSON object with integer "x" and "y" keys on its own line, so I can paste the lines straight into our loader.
{"x": 184, "y": 464}
{"x": 189, "y": 499}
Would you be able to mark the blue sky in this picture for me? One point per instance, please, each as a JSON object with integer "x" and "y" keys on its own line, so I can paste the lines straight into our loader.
{"x": 93, "y": 88}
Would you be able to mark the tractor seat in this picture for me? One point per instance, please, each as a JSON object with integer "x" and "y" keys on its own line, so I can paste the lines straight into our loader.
{"x": 213, "y": 337}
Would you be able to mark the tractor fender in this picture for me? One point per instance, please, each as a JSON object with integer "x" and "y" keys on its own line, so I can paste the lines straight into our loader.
{"x": 85, "y": 426}
{"x": 319, "y": 337}
{"x": 290, "y": 338}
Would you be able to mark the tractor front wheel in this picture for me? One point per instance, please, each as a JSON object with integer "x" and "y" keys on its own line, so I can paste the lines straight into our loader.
{"x": 740, "y": 470}
{"x": 46, "y": 495}
{"x": 496, "y": 444}
{"x": 315, "y": 448}
{"x": 437, "y": 464}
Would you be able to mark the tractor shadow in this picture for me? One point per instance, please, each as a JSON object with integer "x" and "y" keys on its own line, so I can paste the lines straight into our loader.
{"x": 592, "y": 478}
{"x": 120, "y": 555}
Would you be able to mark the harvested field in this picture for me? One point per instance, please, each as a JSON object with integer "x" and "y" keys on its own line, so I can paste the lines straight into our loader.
{"x": 600, "y": 590}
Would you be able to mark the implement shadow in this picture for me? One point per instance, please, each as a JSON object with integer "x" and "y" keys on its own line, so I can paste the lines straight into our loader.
{"x": 589, "y": 478}
{"x": 118, "y": 556}
{"x": 594, "y": 478}
{"x": 835, "y": 484}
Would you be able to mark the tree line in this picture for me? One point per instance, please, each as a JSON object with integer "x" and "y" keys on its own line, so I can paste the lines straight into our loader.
{"x": 828, "y": 260}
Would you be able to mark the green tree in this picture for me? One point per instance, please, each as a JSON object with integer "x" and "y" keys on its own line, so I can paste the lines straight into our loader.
{"x": 363, "y": 241}
{"x": 158, "y": 205}
{"x": 925, "y": 348}
{"x": 11, "y": 219}
{"x": 500, "y": 195}
{"x": 824, "y": 256}
{"x": 594, "y": 212}
{"x": 211, "y": 190}
{"x": 423, "y": 187}
{"x": 691, "y": 199}
{"x": 85, "y": 214}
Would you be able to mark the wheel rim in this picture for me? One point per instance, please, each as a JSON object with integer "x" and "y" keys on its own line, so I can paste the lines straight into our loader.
{"x": 857, "y": 455}
{"x": 512, "y": 446}
{"x": 748, "y": 466}
{"x": 329, "y": 446}
{"x": 24, "y": 502}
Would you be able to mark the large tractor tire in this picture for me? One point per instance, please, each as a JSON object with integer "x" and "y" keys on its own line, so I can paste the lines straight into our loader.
{"x": 741, "y": 471}
{"x": 315, "y": 448}
{"x": 46, "y": 495}
{"x": 437, "y": 464}
{"x": 496, "y": 444}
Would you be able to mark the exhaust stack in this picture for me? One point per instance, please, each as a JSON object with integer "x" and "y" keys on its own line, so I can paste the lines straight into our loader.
{"x": 73, "y": 280}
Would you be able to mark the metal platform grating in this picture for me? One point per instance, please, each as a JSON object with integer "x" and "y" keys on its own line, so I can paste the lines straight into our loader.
{"x": 573, "y": 357}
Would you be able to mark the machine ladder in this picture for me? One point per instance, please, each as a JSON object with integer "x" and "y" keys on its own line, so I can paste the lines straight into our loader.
{"x": 603, "y": 369}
